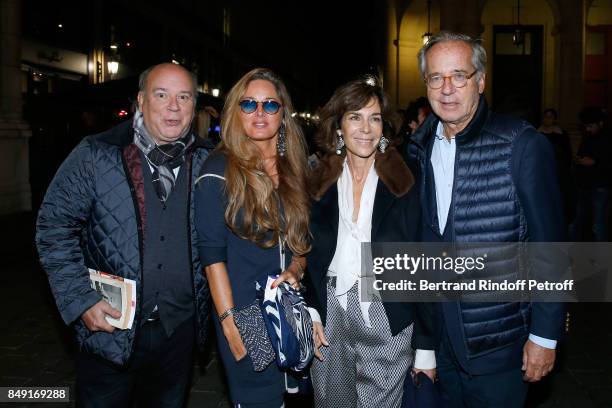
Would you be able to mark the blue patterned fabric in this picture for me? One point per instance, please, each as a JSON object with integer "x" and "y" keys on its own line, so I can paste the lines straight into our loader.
{"x": 289, "y": 324}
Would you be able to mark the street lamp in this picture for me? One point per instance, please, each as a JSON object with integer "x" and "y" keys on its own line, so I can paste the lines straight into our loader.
{"x": 518, "y": 37}
{"x": 113, "y": 59}
{"x": 113, "y": 67}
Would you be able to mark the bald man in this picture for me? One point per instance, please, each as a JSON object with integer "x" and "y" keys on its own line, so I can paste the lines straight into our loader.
{"x": 121, "y": 203}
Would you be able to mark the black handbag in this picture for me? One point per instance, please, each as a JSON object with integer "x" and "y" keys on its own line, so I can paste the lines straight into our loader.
{"x": 253, "y": 332}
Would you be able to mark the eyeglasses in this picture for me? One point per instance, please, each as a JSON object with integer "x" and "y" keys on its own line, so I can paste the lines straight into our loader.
{"x": 458, "y": 79}
{"x": 248, "y": 106}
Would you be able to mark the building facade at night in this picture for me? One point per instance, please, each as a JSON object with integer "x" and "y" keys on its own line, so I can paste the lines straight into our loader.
{"x": 69, "y": 68}
{"x": 561, "y": 59}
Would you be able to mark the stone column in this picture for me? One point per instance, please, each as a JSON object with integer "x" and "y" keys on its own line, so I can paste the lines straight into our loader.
{"x": 570, "y": 66}
{"x": 15, "y": 192}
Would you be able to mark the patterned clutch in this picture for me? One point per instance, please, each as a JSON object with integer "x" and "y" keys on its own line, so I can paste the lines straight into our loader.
{"x": 254, "y": 335}
{"x": 289, "y": 325}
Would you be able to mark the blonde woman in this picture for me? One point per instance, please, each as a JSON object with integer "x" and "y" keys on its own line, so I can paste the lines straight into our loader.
{"x": 252, "y": 220}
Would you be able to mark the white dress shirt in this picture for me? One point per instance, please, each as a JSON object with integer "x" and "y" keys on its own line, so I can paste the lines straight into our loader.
{"x": 443, "y": 163}
{"x": 346, "y": 264}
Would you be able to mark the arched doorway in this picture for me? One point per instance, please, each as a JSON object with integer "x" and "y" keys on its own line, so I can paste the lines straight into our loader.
{"x": 413, "y": 26}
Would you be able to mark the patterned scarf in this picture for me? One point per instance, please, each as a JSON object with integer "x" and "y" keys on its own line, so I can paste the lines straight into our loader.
{"x": 162, "y": 158}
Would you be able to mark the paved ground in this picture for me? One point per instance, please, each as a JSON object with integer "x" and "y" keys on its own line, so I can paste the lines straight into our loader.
{"x": 36, "y": 348}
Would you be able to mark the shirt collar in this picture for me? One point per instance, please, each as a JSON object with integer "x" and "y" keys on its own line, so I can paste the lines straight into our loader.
{"x": 440, "y": 133}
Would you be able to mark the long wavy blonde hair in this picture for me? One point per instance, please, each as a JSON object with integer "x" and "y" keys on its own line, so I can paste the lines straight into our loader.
{"x": 254, "y": 207}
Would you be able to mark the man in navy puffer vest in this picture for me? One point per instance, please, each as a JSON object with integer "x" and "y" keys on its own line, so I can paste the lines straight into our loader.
{"x": 122, "y": 203}
{"x": 486, "y": 178}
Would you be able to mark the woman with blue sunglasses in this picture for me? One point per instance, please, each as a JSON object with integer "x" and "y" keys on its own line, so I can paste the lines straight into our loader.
{"x": 252, "y": 221}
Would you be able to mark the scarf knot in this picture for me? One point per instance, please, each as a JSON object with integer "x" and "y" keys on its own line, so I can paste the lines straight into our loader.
{"x": 162, "y": 158}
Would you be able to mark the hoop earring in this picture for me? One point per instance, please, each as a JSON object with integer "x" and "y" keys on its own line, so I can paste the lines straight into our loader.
{"x": 339, "y": 143}
{"x": 281, "y": 141}
{"x": 382, "y": 144}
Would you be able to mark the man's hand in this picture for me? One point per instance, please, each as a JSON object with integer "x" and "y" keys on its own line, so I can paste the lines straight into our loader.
{"x": 95, "y": 317}
{"x": 318, "y": 334}
{"x": 431, "y": 373}
{"x": 538, "y": 361}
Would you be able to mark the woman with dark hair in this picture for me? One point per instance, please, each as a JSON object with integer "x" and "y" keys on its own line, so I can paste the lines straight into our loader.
{"x": 251, "y": 214}
{"x": 363, "y": 192}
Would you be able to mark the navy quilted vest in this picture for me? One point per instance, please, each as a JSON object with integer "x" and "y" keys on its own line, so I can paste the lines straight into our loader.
{"x": 485, "y": 208}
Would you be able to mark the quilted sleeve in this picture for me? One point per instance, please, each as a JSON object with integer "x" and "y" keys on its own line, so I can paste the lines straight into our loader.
{"x": 61, "y": 220}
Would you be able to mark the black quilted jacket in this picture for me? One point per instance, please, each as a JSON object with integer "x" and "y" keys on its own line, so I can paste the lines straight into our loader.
{"x": 93, "y": 216}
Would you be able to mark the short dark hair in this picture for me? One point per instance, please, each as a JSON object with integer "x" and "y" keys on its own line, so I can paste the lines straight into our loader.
{"x": 351, "y": 96}
{"x": 552, "y": 112}
{"x": 590, "y": 115}
{"x": 412, "y": 111}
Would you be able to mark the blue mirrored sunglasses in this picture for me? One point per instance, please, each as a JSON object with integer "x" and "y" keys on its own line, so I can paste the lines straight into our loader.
{"x": 250, "y": 105}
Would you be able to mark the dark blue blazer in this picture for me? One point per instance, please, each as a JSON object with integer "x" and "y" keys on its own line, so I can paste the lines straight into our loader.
{"x": 394, "y": 219}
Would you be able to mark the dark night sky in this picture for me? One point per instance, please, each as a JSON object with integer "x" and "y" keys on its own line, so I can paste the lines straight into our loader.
{"x": 332, "y": 41}
{"x": 319, "y": 43}
{"x": 315, "y": 45}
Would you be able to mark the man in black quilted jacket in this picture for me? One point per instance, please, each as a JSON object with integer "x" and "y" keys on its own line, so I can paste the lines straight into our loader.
{"x": 121, "y": 203}
{"x": 485, "y": 178}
